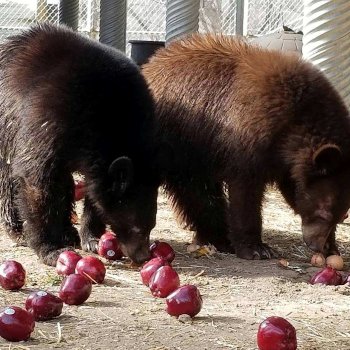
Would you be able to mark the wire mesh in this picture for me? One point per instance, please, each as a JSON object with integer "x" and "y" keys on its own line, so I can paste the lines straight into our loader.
{"x": 89, "y": 17}
{"x": 267, "y": 16}
{"x": 146, "y": 18}
{"x": 218, "y": 16}
{"x": 16, "y": 15}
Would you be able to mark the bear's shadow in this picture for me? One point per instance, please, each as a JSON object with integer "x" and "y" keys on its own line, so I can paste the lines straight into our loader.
{"x": 288, "y": 246}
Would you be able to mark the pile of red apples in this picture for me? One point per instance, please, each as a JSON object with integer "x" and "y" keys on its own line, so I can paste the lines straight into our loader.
{"x": 79, "y": 274}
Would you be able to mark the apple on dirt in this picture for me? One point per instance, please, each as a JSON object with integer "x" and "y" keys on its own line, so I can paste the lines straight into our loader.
{"x": 163, "y": 250}
{"x": 12, "y": 275}
{"x": 16, "y": 324}
{"x": 184, "y": 300}
{"x": 43, "y": 305}
{"x": 75, "y": 289}
{"x": 108, "y": 246}
{"x": 327, "y": 276}
{"x": 92, "y": 268}
{"x": 150, "y": 267}
{"x": 276, "y": 333}
{"x": 164, "y": 281}
{"x": 66, "y": 262}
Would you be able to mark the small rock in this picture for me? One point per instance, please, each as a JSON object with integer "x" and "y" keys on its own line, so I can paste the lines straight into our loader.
{"x": 135, "y": 312}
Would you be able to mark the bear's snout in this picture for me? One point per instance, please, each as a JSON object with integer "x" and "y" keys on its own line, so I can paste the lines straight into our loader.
{"x": 139, "y": 256}
{"x": 315, "y": 236}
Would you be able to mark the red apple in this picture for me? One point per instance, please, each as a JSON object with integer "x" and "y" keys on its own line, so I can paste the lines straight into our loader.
{"x": 75, "y": 289}
{"x": 150, "y": 267}
{"x": 92, "y": 268}
{"x": 12, "y": 275}
{"x": 162, "y": 250}
{"x": 108, "y": 246}
{"x": 164, "y": 281}
{"x": 328, "y": 276}
{"x": 44, "y": 305}
{"x": 74, "y": 218}
{"x": 107, "y": 235}
{"x": 184, "y": 300}
{"x": 66, "y": 262}
{"x": 16, "y": 324}
{"x": 276, "y": 333}
{"x": 79, "y": 190}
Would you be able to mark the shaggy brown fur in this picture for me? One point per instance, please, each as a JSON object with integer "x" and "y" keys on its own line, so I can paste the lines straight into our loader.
{"x": 69, "y": 104}
{"x": 245, "y": 116}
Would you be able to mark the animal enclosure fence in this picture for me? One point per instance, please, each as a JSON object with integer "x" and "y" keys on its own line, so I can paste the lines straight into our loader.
{"x": 146, "y": 18}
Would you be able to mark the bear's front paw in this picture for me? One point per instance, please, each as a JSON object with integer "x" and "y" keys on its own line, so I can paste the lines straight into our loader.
{"x": 222, "y": 244}
{"x": 90, "y": 245}
{"x": 255, "y": 251}
{"x": 50, "y": 258}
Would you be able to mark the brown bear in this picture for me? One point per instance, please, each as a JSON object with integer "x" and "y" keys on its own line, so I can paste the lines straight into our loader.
{"x": 68, "y": 103}
{"x": 246, "y": 117}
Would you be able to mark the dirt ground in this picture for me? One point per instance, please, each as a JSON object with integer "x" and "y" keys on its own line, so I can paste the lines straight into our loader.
{"x": 237, "y": 296}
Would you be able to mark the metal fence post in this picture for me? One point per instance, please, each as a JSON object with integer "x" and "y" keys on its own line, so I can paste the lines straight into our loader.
{"x": 326, "y": 41}
{"x": 241, "y": 17}
{"x": 113, "y": 23}
{"x": 182, "y": 17}
{"x": 69, "y": 13}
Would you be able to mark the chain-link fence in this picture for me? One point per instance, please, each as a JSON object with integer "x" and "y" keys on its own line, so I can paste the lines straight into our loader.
{"x": 19, "y": 14}
{"x": 218, "y": 16}
{"x": 146, "y": 18}
{"x": 16, "y": 15}
{"x": 89, "y": 17}
{"x": 265, "y": 16}
{"x": 262, "y": 16}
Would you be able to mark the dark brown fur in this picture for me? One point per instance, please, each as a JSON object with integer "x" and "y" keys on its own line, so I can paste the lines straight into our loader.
{"x": 69, "y": 104}
{"x": 245, "y": 116}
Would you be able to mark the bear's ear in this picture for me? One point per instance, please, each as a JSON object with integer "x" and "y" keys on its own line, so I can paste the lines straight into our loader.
{"x": 122, "y": 171}
{"x": 327, "y": 159}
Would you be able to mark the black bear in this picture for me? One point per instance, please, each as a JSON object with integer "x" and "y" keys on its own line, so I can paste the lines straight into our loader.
{"x": 68, "y": 103}
{"x": 245, "y": 117}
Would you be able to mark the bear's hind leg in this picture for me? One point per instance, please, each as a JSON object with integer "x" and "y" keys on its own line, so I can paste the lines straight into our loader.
{"x": 245, "y": 196}
{"x": 45, "y": 201}
{"x": 202, "y": 205}
{"x": 9, "y": 211}
{"x": 92, "y": 227}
